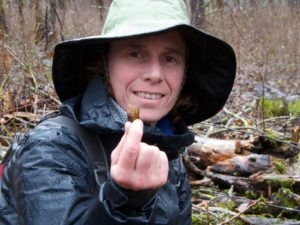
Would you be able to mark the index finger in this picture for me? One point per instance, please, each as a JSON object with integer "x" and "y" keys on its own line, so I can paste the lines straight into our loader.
{"x": 131, "y": 146}
{"x": 116, "y": 152}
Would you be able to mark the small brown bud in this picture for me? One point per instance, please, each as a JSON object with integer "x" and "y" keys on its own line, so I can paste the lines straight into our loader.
{"x": 134, "y": 113}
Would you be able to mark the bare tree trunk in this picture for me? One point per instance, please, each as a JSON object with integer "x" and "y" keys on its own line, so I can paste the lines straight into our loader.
{"x": 39, "y": 31}
{"x": 197, "y": 8}
{"x": 219, "y": 4}
{"x": 3, "y": 22}
{"x": 55, "y": 17}
{"x": 103, "y": 6}
{"x": 52, "y": 14}
{"x": 100, "y": 5}
{"x": 50, "y": 23}
{"x": 294, "y": 6}
{"x": 45, "y": 23}
{"x": 294, "y": 3}
{"x": 62, "y": 9}
{"x": 20, "y": 10}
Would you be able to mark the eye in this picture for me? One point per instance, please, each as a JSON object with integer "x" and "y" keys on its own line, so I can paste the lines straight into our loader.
{"x": 135, "y": 54}
{"x": 171, "y": 60}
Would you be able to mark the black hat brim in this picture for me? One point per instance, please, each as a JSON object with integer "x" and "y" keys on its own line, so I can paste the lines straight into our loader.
{"x": 210, "y": 76}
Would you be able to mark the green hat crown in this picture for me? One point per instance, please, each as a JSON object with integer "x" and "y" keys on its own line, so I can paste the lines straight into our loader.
{"x": 133, "y": 17}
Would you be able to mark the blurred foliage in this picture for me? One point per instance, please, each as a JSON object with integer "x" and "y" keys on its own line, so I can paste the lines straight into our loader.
{"x": 294, "y": 108}
{"x": 273, "y": 107}
{"x": 278, "y": 107}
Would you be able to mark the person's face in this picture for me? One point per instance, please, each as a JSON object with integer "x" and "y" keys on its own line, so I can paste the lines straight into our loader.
{"x": 148, "y": 72}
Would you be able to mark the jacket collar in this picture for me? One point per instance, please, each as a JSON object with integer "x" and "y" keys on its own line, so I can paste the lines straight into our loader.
{"x": 96, "y": 112}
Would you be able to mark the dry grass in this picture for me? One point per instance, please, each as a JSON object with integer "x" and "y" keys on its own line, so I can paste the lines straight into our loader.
{"x": 265, "y": 37}
{"x": 25, "y": 70}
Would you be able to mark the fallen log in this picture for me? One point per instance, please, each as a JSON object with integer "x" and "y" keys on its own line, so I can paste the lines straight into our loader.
{"x": 211, "y": 150}
{"x": 243, "y": 165}
{"x": 260, "y": 182}
{"x": 277, "y": 148}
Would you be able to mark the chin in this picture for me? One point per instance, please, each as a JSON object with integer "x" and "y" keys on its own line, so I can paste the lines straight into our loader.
{"x": 150, "y": 119}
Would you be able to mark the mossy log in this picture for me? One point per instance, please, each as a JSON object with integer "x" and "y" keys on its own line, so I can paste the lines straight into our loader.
{"x": 260, "y": 182}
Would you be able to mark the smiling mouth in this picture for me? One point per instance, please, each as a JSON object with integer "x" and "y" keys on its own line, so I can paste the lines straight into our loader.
{"x": 146, "y": 95}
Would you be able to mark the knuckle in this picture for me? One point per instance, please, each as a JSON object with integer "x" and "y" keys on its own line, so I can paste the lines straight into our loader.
{"x": 140, "y": 184}
{"x": 155, "y": 148}
{"x": 132, "y": 150}
{"x": 122, "y": 181}
{"x": 119, "y": 176}
{"x": 163, "y": 157}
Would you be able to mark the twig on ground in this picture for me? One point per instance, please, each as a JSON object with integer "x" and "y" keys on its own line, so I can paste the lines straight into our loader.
{"x": 235, "y": 116}
{"x": 11, "y": 52}
{"x": 238, "y": 215}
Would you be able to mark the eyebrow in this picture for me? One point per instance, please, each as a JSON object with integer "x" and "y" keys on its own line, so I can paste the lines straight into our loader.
{"x": 141, "y": 46}
{"x": 176, "y": 51}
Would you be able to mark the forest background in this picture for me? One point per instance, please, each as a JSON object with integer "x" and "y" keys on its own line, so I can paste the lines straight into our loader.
{"x": 265, "y": 35}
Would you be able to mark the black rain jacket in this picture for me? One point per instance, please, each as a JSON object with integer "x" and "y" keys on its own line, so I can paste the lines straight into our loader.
{"x": 50, "y": 179}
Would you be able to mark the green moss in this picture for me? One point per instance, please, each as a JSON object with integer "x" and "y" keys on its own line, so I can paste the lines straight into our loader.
{"x": 198, "y": 219}
{"x": 258, "y": 209}
{"x": 285, "y": 196}
{"x": 237, "y": 221}
{"x": 251, "y": 194}
{"x": 279, "y": 166}
{"x": 230, "y": 205}
{"x": 277, "y": 107}
{"x": 294, "y": 108}
{"x": 272, "y": 107}
{"x": 202, "y": 219}
{"x": 280, "y": 181}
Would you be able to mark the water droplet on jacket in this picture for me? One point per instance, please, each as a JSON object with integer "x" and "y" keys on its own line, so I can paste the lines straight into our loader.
{"x": 70, "y": 165}
{"x": 54, "y": 155}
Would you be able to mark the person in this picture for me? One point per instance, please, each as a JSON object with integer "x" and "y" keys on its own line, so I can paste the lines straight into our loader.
{"x": 149, "y": 56}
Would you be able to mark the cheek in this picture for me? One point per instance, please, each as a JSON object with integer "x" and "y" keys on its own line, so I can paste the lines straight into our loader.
{"x": 120, "y": 72}
{"x": 114, "y": 81}
{"x": 116, "y": 76}
{"x": 177, "y": 82}
{"x": 118, "y": 85}
{"x": 120, "y": 79}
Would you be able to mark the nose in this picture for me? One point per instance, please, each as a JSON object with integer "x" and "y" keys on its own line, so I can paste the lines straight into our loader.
{"x": 153, "y": 73}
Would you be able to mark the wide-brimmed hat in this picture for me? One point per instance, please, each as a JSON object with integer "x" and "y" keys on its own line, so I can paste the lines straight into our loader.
{"x": 211, "y": 63}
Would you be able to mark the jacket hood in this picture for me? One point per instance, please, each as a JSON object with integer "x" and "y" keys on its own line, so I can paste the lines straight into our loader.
{"x": 211, "y": 64}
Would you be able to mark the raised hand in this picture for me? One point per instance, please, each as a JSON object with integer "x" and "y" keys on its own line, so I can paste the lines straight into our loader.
{"x": 136, "y": 165}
